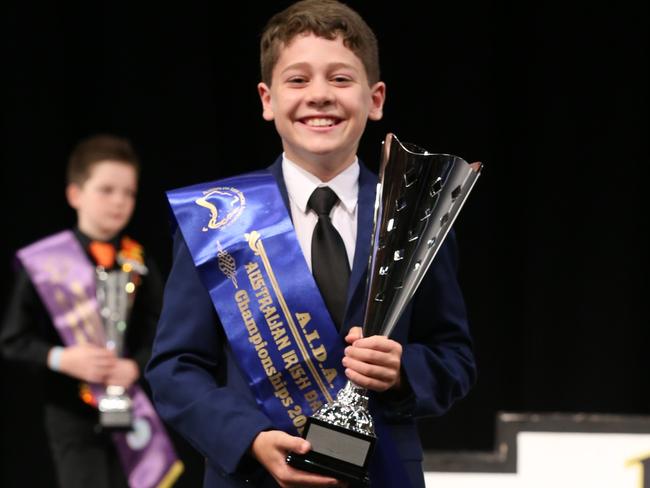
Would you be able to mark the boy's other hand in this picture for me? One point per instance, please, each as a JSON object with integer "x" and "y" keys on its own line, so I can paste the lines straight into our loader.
{"x": 271, "y": 447}
{"x": 124, "y": 373}
{"x": 373, "y": 362}
{"x": 87, "y": 362}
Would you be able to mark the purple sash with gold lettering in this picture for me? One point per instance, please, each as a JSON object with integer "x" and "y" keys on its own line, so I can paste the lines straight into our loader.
{"x": 64, "y": 278}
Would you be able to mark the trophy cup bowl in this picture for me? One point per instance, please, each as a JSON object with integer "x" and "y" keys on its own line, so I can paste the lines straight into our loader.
{"x": 419, "y": 196}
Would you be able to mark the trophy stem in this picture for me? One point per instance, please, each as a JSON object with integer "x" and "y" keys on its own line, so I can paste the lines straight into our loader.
{"x": 349, "y": 410}
{"x": 353, "y": 394}
{"x": 114, "y": 390}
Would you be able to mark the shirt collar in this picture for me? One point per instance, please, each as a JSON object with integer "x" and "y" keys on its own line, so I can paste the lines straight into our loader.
{"x": 301, "y": 184}
{"x": 86, "y": 240}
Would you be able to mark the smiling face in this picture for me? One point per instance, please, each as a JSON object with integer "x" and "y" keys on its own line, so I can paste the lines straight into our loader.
{"x": 320, "y": 101}
{"x": 105, "y": 201}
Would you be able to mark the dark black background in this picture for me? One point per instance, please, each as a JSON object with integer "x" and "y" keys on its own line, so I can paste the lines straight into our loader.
{"x": 553, "y": 241}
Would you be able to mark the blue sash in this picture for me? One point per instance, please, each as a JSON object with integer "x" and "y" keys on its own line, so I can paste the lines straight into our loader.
{"x": 244, "y": 247}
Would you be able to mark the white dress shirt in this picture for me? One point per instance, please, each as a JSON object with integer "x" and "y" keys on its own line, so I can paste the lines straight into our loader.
{"x": 301, "y": 184}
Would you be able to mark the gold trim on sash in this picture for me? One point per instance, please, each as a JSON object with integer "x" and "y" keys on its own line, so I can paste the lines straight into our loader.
{"x": 255, "y": 242}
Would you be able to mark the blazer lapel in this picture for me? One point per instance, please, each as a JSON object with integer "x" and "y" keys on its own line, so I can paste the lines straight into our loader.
{"x": 276, "y": 170}
{"x": 365, "y": 217}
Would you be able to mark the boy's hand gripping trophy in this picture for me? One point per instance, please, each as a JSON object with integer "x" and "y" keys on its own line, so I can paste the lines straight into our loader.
{"x": 419, "y": 195}
{"x": 115, "y": 295}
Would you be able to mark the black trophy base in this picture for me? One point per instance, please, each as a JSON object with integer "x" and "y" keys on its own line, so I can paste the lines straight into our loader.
{"x": 336, "y": 452}
{"x": 326, "y": 466}
{"x": 116, "y": 420}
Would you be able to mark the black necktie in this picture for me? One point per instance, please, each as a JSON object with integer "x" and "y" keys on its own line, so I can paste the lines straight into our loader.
{"x": 329, "y": 260}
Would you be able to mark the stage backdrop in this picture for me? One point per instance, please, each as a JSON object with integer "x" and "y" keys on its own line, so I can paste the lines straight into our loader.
{"x": 553, "y": 242}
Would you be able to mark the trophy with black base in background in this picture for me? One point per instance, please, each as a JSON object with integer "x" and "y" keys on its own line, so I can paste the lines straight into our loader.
{"x": 115, "y": 295}
{"x": 419, "y": 195}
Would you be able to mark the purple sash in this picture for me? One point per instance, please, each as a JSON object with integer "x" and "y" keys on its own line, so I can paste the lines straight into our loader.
{"x": 65, "y": 280}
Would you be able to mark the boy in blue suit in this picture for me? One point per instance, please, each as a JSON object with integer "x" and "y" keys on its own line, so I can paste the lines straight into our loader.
{"x": 320, "y": 85}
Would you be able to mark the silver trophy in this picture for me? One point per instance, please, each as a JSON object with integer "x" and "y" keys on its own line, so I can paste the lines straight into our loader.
{"x": 115, "y": 294}
{"x": 419, "y": 195}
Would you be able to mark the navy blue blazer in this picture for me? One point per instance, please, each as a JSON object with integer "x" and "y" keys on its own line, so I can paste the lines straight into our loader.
{"x": 200, "y": 391}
